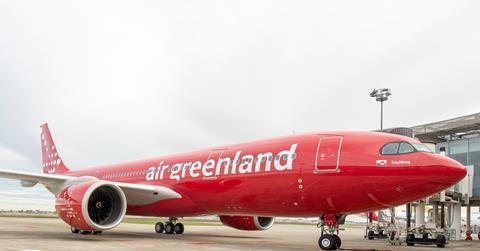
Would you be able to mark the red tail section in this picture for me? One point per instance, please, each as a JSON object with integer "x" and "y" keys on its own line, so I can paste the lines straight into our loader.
{"x": 52, "y": 163}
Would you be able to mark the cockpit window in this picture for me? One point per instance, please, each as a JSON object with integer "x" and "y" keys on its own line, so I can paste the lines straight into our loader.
{"x": 403, "y": 148}
{"x": 406, "y": 148}
{"x": 391, "y": 148}
{"x": 421, "y": 148}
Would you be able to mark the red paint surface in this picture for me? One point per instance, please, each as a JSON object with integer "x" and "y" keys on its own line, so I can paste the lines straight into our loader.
{"x": 239, "y": 222}
{"x": 314, "y": 186}
{"x": 69, "y": 205}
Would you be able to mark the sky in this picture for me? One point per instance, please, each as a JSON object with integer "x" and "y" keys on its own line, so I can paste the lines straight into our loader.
{"x": 125, "y": 80}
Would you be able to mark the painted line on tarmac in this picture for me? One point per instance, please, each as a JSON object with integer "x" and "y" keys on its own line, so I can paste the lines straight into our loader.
{"x": 199, "y": 243}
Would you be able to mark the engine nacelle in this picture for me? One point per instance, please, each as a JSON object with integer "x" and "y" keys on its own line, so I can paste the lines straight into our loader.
{"x": 92, "y": 205}
{"x": 248, "y": 223}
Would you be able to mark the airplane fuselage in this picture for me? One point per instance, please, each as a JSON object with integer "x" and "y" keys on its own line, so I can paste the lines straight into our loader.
{"x": 299, "y": 175}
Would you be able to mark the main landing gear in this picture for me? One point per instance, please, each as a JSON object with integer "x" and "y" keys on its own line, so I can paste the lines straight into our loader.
{"x": 329, "y": 239}
{"x": 169, "y": 227}
{"x": 84, "y": 232}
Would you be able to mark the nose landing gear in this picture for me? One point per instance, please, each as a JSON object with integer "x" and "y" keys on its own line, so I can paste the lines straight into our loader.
{"x": 329, "y": 239}
{"x": 170, "y": 227}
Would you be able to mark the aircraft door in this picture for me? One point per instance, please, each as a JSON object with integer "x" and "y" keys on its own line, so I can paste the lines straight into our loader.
{"x": 328, "y": 153}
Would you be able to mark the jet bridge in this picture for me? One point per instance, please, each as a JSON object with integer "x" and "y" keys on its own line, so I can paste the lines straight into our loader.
{"x": 458, "y": 138}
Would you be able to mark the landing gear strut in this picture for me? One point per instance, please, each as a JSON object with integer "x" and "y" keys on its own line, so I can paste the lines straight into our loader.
{"x": 170, "y": 227}
{"x": 329, "y": 239}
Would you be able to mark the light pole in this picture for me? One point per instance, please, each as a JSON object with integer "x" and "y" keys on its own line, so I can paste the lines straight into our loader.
{"x": 381, "y": 95}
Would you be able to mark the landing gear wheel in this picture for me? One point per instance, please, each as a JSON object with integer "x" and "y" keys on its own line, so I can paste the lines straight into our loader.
{"x": 179, "y": 228}
{"x": 169, "y": 228}
{"x": 159, "y": 227}
{"x": 97, "y": 232}
{"x": 74, "y": 230}
{"x": 441, "y": 241}
{"x": 85, "y": 232}
{"x": 409, "y": 239}
{"x": 338, "y": 241}
{"x": 327, "y": 242}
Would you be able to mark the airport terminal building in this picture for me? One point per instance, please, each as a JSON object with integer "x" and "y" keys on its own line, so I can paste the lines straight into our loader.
{"x": 458, "y": 138}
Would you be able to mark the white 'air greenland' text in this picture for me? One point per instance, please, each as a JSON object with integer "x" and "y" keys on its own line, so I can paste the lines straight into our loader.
{"x": 225, "y": 165}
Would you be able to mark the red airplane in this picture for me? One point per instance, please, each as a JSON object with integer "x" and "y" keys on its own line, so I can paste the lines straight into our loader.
{"x": 325, "y": 174}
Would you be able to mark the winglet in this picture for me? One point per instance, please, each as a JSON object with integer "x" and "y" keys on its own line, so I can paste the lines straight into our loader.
{"x": 52, "y": 163}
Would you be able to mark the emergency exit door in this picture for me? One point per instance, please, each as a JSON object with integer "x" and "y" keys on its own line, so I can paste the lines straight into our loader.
{"x": 328, "y": 153}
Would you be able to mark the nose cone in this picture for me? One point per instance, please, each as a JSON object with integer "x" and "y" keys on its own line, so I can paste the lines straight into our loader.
{"x": 451, "y": 171}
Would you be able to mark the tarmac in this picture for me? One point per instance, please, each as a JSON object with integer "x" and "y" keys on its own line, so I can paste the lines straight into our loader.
{"x": 53, "y": 234}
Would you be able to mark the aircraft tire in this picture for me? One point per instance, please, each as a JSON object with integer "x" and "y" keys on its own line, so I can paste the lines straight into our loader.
{"x": 338, "y": 241}
{"x": 179, "y": 228}
{"x": 169, "y": 228}
{"x": 159, "y": 228}
{"x": 327, "y": 242}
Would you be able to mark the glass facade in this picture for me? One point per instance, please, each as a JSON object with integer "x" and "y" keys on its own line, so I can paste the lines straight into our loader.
{"x": 467, "y": 152}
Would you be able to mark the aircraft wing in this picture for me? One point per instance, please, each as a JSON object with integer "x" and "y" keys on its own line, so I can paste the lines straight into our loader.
{"x": 136, "y": 194}
{"x": 33, "y": 178}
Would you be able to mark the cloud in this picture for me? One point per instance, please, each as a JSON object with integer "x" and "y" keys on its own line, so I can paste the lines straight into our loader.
{"x": 11, "y": 156}
{"x": 123, "y": 80}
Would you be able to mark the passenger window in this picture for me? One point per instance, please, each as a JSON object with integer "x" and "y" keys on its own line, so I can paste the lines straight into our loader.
{"x": 391, "y": 148}
{"x": 406, "y": 148}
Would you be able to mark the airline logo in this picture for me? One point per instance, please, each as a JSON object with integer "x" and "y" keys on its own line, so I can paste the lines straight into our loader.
{"x": 239, "y": 164}
{"x": 381, "y": 162}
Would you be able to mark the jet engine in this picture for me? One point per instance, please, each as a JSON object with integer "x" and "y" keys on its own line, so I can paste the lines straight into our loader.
{"x": 248, "y": 223}
{"x": 92, "y": 205}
